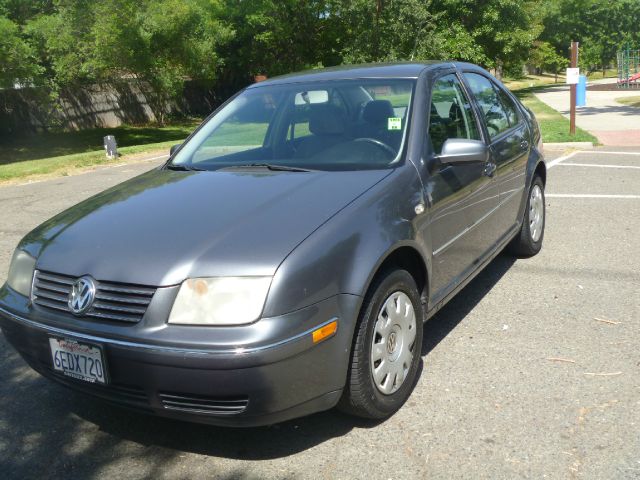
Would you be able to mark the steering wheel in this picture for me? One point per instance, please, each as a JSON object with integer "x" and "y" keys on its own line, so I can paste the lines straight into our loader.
{"x": 377, "y": 143}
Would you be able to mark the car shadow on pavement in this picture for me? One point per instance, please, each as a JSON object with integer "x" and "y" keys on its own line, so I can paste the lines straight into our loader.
{"x": 443, "y": 322}
{"x": 296, "y": 435}
{"x": 46, "y": 426}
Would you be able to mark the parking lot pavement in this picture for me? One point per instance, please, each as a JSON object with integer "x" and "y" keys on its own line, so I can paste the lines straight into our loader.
{"x": 531, "y": 372}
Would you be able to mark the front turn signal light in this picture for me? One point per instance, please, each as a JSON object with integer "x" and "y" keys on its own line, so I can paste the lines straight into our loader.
{"x": 325, "y": 332}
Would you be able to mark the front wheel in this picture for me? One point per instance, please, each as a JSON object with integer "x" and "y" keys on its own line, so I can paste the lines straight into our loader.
{"x": 529, "y": 241}
{"x": 386, "y": 349}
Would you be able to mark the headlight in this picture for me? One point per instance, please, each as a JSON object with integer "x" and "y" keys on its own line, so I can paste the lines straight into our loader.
{"x": 220, "y": 301}
{"x": 21, "y": 272}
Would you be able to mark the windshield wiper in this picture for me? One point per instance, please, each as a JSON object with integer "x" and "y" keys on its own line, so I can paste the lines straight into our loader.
{"x": 184, "y": 168}
{"x": 274, "y": 167}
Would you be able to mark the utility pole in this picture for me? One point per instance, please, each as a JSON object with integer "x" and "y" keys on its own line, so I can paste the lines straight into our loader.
{"x": 574, "y": 64}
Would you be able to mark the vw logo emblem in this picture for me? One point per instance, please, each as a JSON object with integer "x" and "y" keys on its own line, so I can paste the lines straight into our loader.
{"x": 82, "y": 294}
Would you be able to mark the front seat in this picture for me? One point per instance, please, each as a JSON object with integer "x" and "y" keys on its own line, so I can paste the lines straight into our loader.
{"x": 375, "y": 116}
{"x": 327, "y": 124}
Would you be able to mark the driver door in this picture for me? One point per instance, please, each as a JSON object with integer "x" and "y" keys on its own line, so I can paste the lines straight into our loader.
{"x": 461, "y": 196}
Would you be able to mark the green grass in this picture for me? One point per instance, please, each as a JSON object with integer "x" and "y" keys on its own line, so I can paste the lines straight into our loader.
{"x": 63, "y": 165}
{"x": 57, "y": 144}
{"x": 630, "y": 101}
{"x": 597, "y": 75}
{"x": 532, "y": 81}
{"x": 238, "y": 134}
{"x": 553, "y": 126}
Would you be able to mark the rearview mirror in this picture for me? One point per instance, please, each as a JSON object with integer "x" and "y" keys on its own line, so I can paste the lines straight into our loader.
{"x": 173, "y": 149}
{"x": 462, "y": 150}
{"x": 312, "y": 97}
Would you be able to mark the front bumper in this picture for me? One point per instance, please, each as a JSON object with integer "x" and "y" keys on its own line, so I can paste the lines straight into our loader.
{"x": 240, "y": 385}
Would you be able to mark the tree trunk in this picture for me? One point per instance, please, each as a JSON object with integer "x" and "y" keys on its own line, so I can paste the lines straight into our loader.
{"x": 376, "y": 39}
{"x": 499, "y": 69}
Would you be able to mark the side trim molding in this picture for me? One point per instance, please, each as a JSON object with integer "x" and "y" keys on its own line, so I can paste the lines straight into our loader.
{"x": 476, "y": 223}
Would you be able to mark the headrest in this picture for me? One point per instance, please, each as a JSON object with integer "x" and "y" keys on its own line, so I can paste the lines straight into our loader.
{"x": 377, "y": 111}
{"x": 326, "y": 120}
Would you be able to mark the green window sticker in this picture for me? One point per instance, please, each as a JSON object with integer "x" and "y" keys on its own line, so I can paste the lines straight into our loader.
{"x": 394, "y": 123}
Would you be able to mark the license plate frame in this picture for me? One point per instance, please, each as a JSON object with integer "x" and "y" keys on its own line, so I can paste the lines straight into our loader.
{"x": 79, "y": 360}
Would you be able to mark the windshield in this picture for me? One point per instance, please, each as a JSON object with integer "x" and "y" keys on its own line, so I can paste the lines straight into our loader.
{"x": 345, "y": 125}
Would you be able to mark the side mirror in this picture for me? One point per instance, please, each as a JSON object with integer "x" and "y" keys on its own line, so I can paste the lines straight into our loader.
{"x": 461, "y": 150}
{"x": 173, "y": 149}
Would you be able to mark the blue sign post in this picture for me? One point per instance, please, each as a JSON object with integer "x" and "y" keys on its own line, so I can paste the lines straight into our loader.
{"x": 581, "y": 93}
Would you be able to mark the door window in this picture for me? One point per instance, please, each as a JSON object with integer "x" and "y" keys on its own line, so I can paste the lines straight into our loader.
{"x": 510, "y": 108}
{"x": 451, "y": 113}
{"x": 495, "y": 116}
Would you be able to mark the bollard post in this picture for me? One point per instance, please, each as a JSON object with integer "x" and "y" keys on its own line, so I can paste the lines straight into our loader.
{"x": 110, "y": 146}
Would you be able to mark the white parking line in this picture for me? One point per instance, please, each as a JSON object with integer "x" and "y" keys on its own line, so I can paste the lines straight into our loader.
{"x": 598, "y": 166}
{"x": 596, "y": 152}
{"x": 588, "y": 195}
{"x": 555, "y": 162}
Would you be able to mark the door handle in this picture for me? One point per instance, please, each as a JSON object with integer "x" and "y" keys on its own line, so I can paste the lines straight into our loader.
{"x": 490, "y": 169}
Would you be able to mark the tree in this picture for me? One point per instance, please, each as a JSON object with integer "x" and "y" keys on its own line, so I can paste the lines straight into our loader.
{"x": 370, "y": 31}
{"x": 158, "y": 43}
{"x": 17, "y": 58}
{"x": 272, "y": 37}
{"x": 602, "y": 28}
{"x": 502, "y": 30}
{"x": 65, "y": 44}
{"x": 20, "y": 11}
{"x": 591, "y": 56}
{"x": 161, "y": 43}
{"x": 544, "y": 58}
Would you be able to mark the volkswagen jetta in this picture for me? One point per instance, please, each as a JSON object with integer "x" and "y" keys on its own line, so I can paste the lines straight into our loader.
{"x": 284, "y": 259}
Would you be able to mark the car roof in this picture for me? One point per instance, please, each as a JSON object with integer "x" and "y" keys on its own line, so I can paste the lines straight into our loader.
{"x": 408, "y": 70}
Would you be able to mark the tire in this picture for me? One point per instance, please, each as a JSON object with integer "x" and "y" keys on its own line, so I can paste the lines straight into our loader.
{"x": 528, "y": 242}
{"x": 378, "y": 396}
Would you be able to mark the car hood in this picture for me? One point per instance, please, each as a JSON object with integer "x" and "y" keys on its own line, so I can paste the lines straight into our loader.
{"x": 164, "y": 226}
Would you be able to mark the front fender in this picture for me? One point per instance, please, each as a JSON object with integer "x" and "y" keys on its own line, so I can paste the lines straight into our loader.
{"x": 342, "y": 256}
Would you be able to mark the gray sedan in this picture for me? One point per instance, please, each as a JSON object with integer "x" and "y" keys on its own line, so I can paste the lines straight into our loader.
{"x": 284, "y": 260}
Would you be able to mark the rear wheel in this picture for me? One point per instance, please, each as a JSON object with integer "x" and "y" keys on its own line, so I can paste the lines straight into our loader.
{"x": 529, "y": 241}
{"x": 386, "y": 349}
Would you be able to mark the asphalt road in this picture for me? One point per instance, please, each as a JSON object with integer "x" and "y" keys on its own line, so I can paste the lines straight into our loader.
{"x": 491, "y": 401}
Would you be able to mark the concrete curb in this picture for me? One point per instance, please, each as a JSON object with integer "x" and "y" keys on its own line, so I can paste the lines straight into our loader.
{"x": 568, "y": 145}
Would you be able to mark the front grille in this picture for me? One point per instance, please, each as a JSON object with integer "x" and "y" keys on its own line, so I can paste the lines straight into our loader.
{"x": 203, "y": 405}
{"x": 113, "y": 301}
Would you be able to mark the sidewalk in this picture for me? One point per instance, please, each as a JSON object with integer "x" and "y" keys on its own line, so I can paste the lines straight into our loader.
{"x": 612, "y": 123}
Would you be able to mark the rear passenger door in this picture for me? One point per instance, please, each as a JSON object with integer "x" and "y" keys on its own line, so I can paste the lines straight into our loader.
{"x": 508, "y": 135}
{"x": 460, "y": 195}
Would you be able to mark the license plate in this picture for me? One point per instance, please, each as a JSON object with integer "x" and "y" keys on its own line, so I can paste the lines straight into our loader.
{"x": 78, "y": 360}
